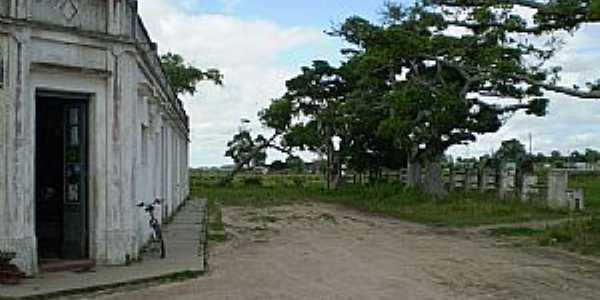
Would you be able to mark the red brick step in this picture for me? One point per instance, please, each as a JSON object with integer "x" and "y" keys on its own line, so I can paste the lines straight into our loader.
{"x": 67, "y": 266}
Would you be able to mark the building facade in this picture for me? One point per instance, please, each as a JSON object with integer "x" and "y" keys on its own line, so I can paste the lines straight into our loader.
{"x": 89, "y": 126}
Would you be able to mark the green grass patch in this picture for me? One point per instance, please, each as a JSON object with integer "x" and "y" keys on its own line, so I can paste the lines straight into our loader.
{"x": 516, "y": 232}
{"x": 211, "y": 178}
{"x": 580, "y": 234}
{"x": 591, "y": 189}
{"x": 458, "y": 209}
{"x": 216, "y": 227}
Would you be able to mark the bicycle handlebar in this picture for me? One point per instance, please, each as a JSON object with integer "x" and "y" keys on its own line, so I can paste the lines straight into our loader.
{"x": 157, "y": 201}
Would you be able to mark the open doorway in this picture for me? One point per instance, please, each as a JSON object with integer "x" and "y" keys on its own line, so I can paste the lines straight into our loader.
{"x": 61, "y": 177}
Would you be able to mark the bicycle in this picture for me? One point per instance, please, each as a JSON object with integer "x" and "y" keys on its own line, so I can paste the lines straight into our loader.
{"x": 157, "y": 237}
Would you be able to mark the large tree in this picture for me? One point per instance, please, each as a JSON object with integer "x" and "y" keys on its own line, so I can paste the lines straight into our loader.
{"x": 245, "y": 151}
{"x": 311, "y": 114}
{"x": 432, "y": 75}
{"x": 511, "y": 150}
{"x": 434, "y": 84}
{"x": 592, "y": 156}
{"x": 457, "y": 69}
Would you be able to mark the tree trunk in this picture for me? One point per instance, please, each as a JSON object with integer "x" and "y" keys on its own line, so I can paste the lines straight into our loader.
{"x": 434, "y": 184}
{"x": 328, "y": 170}
{"x": 231, "y": 176}
{"x": 415, "y": 178}
{"x": 336, "y": 171}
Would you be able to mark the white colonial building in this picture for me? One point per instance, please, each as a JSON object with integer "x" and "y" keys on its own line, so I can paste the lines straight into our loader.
{"x": 89, "y": 126}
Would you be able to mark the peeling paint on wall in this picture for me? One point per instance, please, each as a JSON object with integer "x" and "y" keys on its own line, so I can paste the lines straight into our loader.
{"x": 110, "y": 70}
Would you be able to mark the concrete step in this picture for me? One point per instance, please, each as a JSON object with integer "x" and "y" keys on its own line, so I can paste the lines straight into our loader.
{"x": 67, "y": 266}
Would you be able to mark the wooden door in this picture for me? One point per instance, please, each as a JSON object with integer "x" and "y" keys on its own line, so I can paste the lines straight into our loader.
{"x": 75, "y": 181}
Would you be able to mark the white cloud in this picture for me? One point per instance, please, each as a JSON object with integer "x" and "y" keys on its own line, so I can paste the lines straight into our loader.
{"x": 248, "y": 54}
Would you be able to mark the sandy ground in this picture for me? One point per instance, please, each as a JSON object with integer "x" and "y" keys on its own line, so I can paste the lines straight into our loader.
{"x": 328, "y": 252}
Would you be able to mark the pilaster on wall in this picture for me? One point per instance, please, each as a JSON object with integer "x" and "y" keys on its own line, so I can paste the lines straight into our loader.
{"x": 115, "y": 10}
{"x": 4, "y": 99}
{"x": 12, "y": 10}
{"x": 6, "y": 242}
{"x": 17, "y": 130}
{"x": 120, "y": 229}
{"x": 21, "y": 9}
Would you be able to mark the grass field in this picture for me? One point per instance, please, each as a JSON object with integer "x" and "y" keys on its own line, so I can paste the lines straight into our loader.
{"x": 581, "y": 233}
{"x": 459, "y": 209}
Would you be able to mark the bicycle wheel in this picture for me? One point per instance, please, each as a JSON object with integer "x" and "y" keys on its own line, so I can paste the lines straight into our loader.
{"x": 163, "y": 248}
{"x": 159, "y": 239}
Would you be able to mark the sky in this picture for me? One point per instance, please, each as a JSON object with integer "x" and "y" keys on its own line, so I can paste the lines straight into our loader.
{"x": 259, "y": 44}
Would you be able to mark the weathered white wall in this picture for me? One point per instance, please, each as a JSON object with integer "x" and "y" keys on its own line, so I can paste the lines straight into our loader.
{"x": 127, "y": 164}
{"x": 558, "y": 181}
{"x": 91, "y": 14}
{"x": 4, "y": 6}
{"x": 18, "y": 207}
{"x": 5, "y": 212}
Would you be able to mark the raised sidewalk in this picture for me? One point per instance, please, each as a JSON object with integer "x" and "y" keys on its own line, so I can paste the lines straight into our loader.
{"x": 185, "y": 258}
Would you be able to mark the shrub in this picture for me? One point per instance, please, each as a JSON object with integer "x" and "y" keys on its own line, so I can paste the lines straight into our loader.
{"x": 252, "y": 181}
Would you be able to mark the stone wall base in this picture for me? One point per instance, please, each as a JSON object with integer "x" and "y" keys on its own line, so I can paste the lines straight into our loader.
{"x": 25, "y": 248}
{"x": 119, "y": 248}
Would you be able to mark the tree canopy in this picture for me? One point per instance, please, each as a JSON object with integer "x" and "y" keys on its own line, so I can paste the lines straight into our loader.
{"x": 512, "y": 150}
{"x": 183, "y": 77}
{"x": 430, "y": 76}
{"x": 246, "y": 151}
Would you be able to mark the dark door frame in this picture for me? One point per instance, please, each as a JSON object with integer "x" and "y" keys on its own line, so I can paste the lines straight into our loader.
{"x": 85, "y": 99}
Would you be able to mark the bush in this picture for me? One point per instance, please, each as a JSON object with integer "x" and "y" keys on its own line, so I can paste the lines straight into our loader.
{"x": 581, "y": 234}
{"x": 298, "y": 181}
{"x": 252, "y": 181}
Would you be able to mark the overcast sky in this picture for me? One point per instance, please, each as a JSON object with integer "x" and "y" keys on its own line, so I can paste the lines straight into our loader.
{"x": 259, "y": 44}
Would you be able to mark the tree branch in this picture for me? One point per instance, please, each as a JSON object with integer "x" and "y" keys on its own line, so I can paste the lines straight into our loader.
{"x": 567, "y": 91}
{"x": 479, "y": 26}
{"x": 478, "y": 3}
{"x": 594, "y": 94}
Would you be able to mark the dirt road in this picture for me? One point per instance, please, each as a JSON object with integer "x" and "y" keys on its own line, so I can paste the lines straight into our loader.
{"x": 329, "y": 252}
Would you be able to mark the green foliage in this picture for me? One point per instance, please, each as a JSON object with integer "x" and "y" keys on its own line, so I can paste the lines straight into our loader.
{"x": 313, "y": 97}
{"x": 592, "y": 156}
{"x": 428, "y": 84}
{"x": 278, "y": 166}
{"x": 252, "y": 181}
{"x": 594, "y": 14}
{"x": 512, "y": 150}
{"x": 296, "y": 165}
{"x": 184, "y": 77}
{"x": 581, "y": 234}
{"x": 591, "y": 188}
{"x": 246, "y": 151}
{"x": 216, "y": 227}
{"x": 516, "y": 231}
{"x": 279, "y": 115}
{"x": 410, "y": 88}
